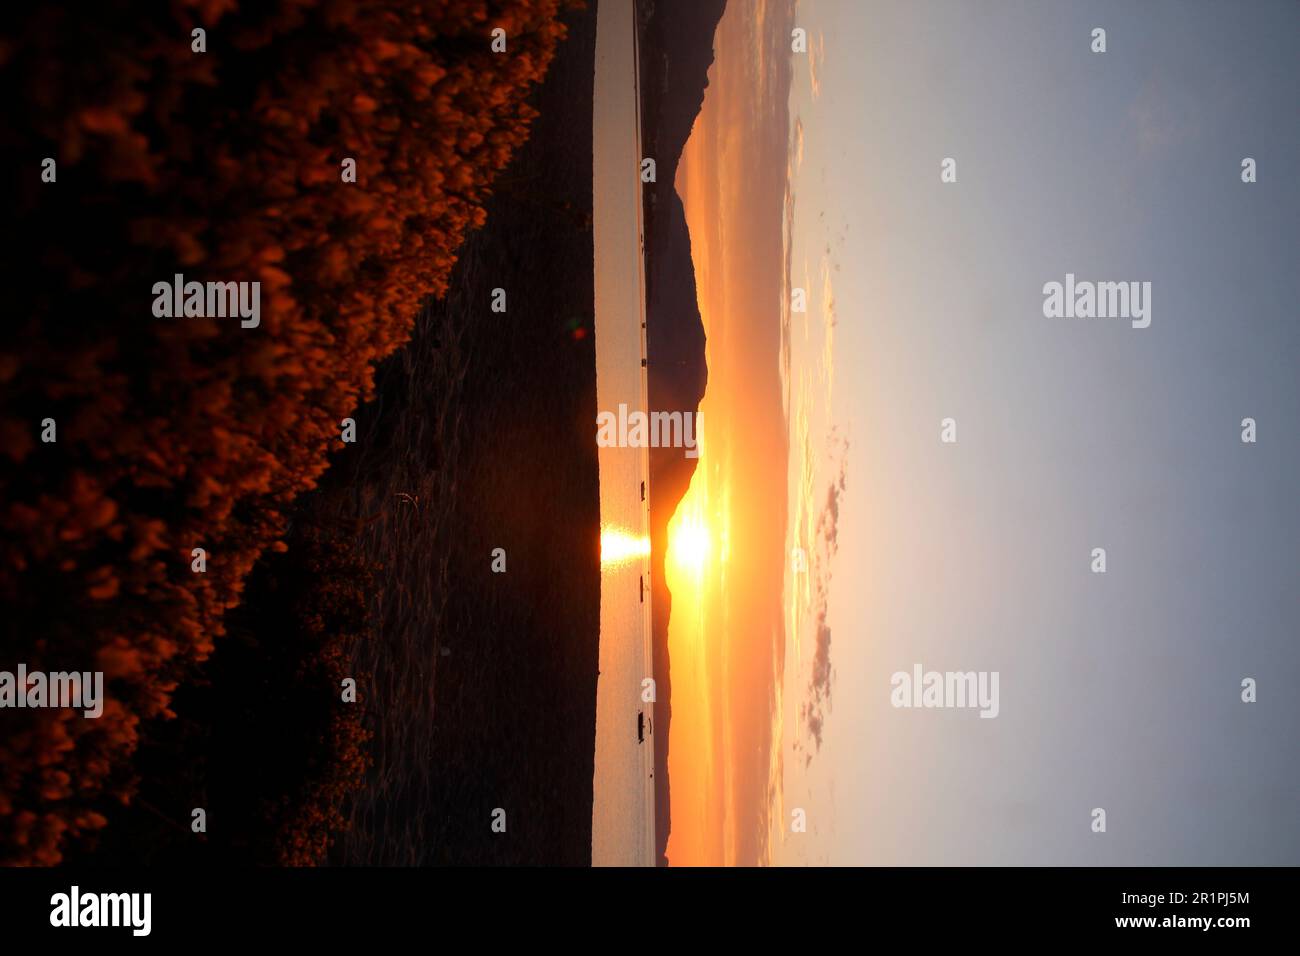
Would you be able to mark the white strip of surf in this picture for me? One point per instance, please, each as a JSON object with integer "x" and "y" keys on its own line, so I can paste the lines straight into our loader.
{"x": 623, "y": 803}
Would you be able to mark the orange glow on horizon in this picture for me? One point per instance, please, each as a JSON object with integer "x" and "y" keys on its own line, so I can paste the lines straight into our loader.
{"x": 690, "y": 574}
{"x": 724, "y": 564}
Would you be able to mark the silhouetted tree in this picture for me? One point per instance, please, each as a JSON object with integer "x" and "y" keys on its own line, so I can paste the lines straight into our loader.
{"x": 174, "y": 434}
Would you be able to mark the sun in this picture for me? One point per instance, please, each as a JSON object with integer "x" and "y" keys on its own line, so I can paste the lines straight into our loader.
{"x": 689, "y": 544}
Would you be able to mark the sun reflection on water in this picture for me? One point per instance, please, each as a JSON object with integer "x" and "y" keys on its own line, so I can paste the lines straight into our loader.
{"x": 618, "y": 546}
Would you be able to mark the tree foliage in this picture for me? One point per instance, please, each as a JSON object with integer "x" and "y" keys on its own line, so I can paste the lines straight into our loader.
{"x": 175, "y": 434}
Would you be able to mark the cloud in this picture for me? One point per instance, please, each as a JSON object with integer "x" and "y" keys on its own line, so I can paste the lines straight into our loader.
{"x": 828, "y": 522}
{"x": 816, "y": 53}
{"x": 817, "y": 700}
{"x": 819, "y": 687}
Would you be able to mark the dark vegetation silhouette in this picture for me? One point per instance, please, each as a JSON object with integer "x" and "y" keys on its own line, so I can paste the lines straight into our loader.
{"x": 176, "y": 434}
{"x": 261, "y": 740}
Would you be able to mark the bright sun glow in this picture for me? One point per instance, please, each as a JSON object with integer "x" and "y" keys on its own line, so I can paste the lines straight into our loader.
{"x": 688, "y": 543}
{"x": 619, "y": 546}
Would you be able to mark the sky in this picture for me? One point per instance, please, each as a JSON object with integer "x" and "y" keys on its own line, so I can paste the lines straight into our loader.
{"x": 1120, "y": 690}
